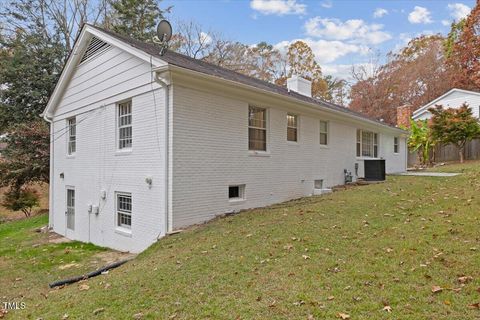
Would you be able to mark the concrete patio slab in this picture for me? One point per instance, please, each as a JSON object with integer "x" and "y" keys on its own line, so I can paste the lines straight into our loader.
{"x": 428, "y": 174}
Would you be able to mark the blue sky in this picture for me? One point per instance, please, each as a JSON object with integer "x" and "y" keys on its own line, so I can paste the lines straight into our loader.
{"x": 341, "y": 33}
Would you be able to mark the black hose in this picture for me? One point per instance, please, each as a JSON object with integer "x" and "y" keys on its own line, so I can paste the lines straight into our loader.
{"x": 88, "y": 275}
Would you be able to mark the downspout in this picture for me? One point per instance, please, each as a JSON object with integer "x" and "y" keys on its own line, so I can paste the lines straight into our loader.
{"x": 51, "y": 183}
{"x": 163, "y": 79}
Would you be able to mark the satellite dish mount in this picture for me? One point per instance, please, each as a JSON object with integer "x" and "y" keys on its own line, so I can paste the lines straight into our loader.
{"x": 164, "y": 34}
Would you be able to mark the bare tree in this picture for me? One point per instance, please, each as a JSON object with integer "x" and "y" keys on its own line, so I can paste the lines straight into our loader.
{"x": 53, "y": 17}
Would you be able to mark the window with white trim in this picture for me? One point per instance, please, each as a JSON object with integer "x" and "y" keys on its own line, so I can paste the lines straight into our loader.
{"x": 395, "y": 145}
{"x": 124, "y": 125}
{"x": 292, "y": 127}
{"x": 323, "y": 133}
{"x": 236, "y": 193}
{"x": 367, "y": 144}
{"x": 124, "y": 210}
{"x": 257, "y": 129}
{"x": 72, "y": 136}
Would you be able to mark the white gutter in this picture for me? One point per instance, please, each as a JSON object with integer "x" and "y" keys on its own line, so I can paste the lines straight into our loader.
{"x": 51, "y": 183}
{"x": 163, "y": 79}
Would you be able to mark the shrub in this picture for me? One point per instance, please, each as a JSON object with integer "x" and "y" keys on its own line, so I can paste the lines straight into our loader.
{"x": 21, "y": 200}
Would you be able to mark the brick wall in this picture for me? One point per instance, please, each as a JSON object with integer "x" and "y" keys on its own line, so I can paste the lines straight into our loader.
{"x": 404, "y": 114}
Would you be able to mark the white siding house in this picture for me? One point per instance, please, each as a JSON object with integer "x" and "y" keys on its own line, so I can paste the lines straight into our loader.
{"x": 144, "y": 144}
{"x": 452, "y": 99}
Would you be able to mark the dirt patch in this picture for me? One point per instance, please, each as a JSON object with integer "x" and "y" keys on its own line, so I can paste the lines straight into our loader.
{"x": 108, "y": 257}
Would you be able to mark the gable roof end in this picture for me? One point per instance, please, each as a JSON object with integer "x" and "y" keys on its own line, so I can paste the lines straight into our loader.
{"x": 424, "y": 108}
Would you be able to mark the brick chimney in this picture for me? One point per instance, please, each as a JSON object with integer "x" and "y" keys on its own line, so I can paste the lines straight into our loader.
{"x": 404, "y": 114}
{"x": 300, "y": 85}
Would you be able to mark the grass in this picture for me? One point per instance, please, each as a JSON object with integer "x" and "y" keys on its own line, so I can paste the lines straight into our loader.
{"x": 352, "y": 252}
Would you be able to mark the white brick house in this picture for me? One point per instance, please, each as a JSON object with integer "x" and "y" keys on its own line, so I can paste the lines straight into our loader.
{"x": 144, "y": 144}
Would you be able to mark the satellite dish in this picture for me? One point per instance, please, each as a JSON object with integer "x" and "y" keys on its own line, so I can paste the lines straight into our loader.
{"x": 164, "y": 31}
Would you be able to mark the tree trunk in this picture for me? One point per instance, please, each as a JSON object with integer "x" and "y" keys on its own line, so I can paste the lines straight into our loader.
{"x": 461, "y": 154}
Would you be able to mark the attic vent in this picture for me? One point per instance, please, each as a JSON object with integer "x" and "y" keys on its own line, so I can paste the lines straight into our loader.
{"x": 95, "y": 47}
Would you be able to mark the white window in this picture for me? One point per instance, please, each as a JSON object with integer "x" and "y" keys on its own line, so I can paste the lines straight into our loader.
{"x": 395, "y": 145}
{"x": 367, "y": 144}
{"x": 257, "y": 129}
{"x": 125, "y": 125}
{"x": 292, "y": 126}
{"x": 318, "y": 184}
{"x": 72, "y": 135}
{"x": 236, "y": 193}
{"x": 124, "y": 210}
{"x": 323, "y": 133}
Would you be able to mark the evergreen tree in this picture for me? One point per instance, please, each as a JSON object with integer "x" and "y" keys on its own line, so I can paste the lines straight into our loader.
{"x": 30, "y": 65}
{"x": 136, "y": 18}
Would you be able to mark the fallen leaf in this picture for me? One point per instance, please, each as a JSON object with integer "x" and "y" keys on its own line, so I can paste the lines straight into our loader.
{"x": 99, "y": 310}
{"x": 330, "y": 298}
{"x": 83, "y": 287}
{"x": 138, "y": 316}
{"x": 343, "y": 316}
{"x": 474, "y": 305}
{"x": 387, "y": 308}
{"x": 305, "y": 257}
{"x": 465, "y": 279}
{"x": 437, "y": 289}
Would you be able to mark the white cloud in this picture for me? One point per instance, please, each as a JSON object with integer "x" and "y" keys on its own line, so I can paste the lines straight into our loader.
{"x": 326, "y": 51}
{"x": 446, "y": 22}
{"x": 205, "y": 38}
{"x": 355, "y": 30}
{"x": 327, "y": 4}
{"x": 380, "y": 12}
{"x": 420, "y": 15}
{"x": 344, "y": 71}
{"x": 458, "y": 11}
{"x": 278, "y": 7}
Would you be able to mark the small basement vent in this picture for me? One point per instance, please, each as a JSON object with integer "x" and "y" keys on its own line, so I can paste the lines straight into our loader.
{"x": 95, "y": 47}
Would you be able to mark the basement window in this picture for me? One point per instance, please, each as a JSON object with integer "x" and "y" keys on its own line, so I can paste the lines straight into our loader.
{"x": 318, "y": 184}
{"x": 236, "y": 193}
{"x": 124, "y": 210}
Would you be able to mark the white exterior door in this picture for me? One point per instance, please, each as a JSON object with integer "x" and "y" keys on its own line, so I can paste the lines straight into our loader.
{"x": 70, "y": 211}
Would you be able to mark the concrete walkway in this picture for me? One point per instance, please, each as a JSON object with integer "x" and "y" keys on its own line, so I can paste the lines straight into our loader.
{"x": 428, "y": 174}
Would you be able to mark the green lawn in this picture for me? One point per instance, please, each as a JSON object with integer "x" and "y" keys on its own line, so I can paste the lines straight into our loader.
{"x": 352, "y": 252}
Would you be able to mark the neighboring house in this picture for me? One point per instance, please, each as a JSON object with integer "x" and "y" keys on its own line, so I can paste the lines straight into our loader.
{"x": 452, "y": 99}
{"x": 147, "y": 144}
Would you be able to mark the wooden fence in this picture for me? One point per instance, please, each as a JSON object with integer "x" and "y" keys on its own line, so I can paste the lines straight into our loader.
{"x": 450, "y": 153}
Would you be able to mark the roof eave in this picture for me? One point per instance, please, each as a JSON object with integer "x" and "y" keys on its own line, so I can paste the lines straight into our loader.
{"x": 174, "y": 68}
